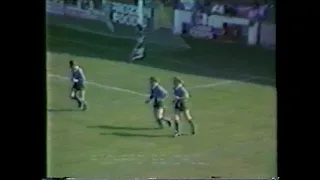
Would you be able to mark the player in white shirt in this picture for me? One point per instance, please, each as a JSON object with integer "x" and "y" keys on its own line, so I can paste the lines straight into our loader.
{"x": 139, "y": 50}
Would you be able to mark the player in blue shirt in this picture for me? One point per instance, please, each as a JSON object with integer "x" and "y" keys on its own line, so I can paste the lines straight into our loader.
{"x": 158, "y": 94}
{"x": 78, "y": 80}
{"x": 181, "y": 96}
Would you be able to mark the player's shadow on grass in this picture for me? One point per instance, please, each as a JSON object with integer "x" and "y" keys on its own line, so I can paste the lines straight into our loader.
{"x": 62, "y": 110}
{"x": 137, "y": 135}
{"x": 121, "y": 128}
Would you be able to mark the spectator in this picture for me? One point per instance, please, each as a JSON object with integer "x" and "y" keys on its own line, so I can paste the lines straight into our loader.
{"x": 91, "y": 5}
{"x": 230, "y": 10}
{"x": 104, "y": 2}
{"x": 225, "y": 30}
{"x": 218, "y": 9}
{"x": 263, "y": 10}
{"x": 254, "y": 11}
{"x": 188, "y": 4}
{"x": 229, "y": 33}
{"x": 97, "y": 4}
{"x": 79, "y": 4}
{"x": 85, "y": 4}
{"x": 200, "y": 18}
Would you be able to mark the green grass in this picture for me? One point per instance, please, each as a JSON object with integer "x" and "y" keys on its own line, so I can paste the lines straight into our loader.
{"x": 236, "y": 119}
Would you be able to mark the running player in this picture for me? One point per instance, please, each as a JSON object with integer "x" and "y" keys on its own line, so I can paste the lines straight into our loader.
{"x": 78, "y": 85}
{"x": 158, "y": 94}
{"x": 181, "y": 96}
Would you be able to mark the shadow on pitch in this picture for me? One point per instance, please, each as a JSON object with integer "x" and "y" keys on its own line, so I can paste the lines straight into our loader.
{"x": 120, "y": 134}
{"x": 121, "y": 128}
{"x": 63, "y": 110}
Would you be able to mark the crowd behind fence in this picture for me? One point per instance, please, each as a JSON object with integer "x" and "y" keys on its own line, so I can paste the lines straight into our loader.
{"x": 202, "y": 11}
{"x": 250, "y": 9}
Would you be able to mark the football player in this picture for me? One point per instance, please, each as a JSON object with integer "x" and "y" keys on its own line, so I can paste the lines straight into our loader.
{"x": 158, "y": 94}
{"x": 181, "y": 95}
{"x": 78, "y": 80}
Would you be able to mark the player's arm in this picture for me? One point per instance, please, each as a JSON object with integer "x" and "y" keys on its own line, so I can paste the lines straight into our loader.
{"x": 71, "y": 76}
{"x": 82, "y": 77}
{"x": 74, "y": 78}
{"x": 151, "y": 96}
{"x": 163, "y": 93}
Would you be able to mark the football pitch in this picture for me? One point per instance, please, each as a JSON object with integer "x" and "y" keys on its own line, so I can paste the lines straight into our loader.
{"x": 233, "y": 104}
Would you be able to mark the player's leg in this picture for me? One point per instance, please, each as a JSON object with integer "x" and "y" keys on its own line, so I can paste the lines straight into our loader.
{"x": 133, "y": 55}
{"x": 188, "y": 118}
{"x": 81, "y": 96}
{"x": 186, "y": 113}
{"x": 73, "y": 94}
{"x": 161, "y": 117}
{"x": 137, "y": 56}
{"x": 155, "y": 115}
{"x": 177, "y": 114}
{"x": 177, "y": 117}
{"x": 158, "y": 112}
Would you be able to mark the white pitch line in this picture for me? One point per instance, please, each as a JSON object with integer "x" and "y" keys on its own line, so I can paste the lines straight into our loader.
{"x": 173, "y": 60}
{"x": 145, "y": 95}
{"x": 223, "y": 70}
{"x": 220, "y": 83}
